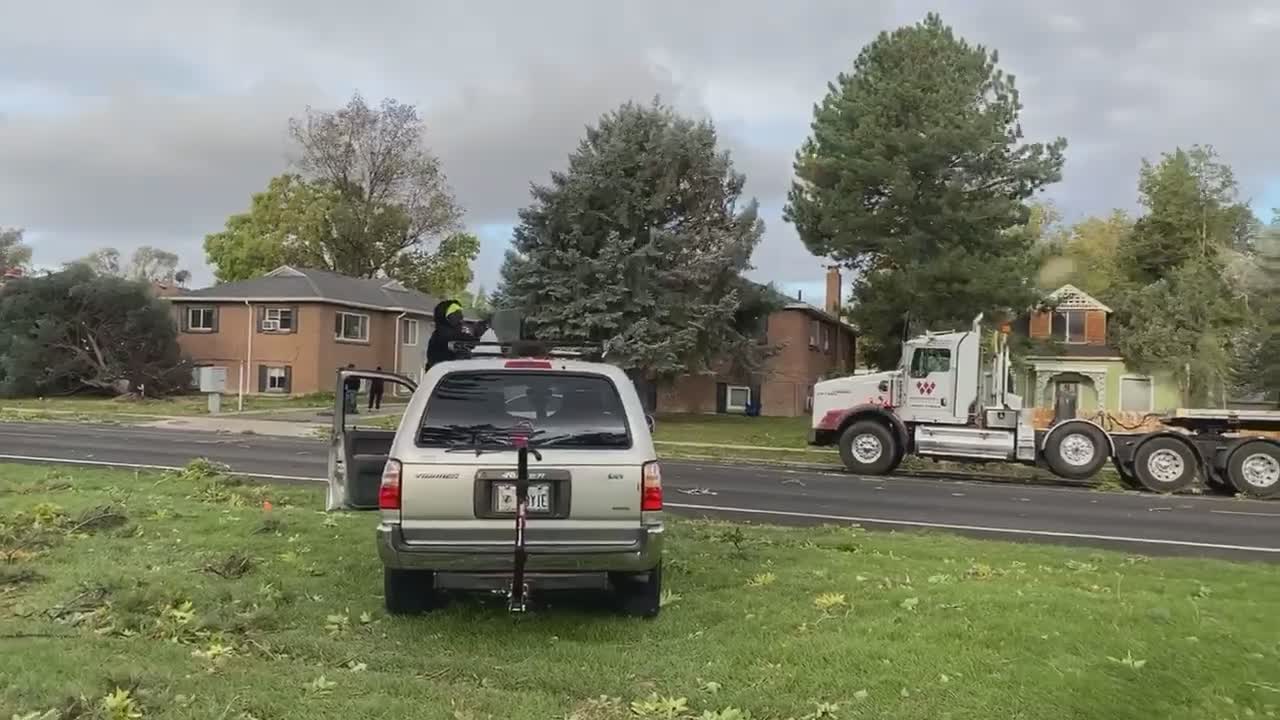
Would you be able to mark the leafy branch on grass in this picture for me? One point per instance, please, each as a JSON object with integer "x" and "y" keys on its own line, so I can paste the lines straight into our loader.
{"x": 230, "y": 567}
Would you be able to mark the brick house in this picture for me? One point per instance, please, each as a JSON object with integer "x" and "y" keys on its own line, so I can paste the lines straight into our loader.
{"x": 1074, "y": 372}
{"x": 288, "y": 331}
{"x": 812, "y": 343}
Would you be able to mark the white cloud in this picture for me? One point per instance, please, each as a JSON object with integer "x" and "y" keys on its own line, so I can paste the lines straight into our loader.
{"x": 149, "y": 122}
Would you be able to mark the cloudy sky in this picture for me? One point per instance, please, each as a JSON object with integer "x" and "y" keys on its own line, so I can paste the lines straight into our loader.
{"x": 140, "y": 122}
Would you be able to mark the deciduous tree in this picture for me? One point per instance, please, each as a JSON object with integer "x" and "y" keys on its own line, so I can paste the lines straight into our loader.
{"x": 1087, "y": 254}
{"x": 1175, "y": 308}
{"x": 14, "y": 255}
{"x": 915, "y": 175}
{"x": 377, "y": 160}
{"x": 147, "y": 264}
{"x": 369, "y": 200}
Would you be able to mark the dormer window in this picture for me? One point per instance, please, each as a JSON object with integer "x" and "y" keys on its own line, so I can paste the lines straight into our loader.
{"x": 1068, "y": 326}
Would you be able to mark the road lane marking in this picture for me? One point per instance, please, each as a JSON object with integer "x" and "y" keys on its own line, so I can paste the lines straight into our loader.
{"x": 752, "y": 511}
{"x": 975, "y": 528}
{"x": 27, "y": 435}
{"x": 1238, "y": 512}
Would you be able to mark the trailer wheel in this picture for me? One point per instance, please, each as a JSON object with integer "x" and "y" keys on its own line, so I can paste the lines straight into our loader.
{"x": 1076, "y": 450}
{"x": 1254, "y": 469}
{"x": 867, "y": 447}
{"x": 1165, "y": 465}
{"x": 408, "y": 592}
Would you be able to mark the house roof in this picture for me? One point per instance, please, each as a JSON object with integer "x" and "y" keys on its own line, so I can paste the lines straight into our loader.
{"x": 1070, "y": 297}
{"x": 1079, "y": 350}
{"x": 818, "y": 313}
{"x": 288, "y": 284}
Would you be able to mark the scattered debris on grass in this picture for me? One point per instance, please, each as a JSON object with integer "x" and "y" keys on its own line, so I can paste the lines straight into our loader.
{"x": 103, "y": 517}
{"x": 18, "y": 576}
{"x": 231, "y": 567}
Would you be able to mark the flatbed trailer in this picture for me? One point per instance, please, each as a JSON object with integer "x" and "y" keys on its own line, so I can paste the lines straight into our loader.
{"x": 1227, "y": 449}
{"x": 947, "y": 402}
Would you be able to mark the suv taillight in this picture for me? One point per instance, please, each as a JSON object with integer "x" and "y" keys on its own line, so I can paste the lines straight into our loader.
{"x": 651, "y": 487}
{"x": 389, "y": 490}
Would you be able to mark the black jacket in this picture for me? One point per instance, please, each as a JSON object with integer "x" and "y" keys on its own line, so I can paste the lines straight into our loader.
{"x": 438, "y": 349}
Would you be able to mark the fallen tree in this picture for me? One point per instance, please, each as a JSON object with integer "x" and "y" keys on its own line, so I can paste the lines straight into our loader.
{"x": 77, "y": 331}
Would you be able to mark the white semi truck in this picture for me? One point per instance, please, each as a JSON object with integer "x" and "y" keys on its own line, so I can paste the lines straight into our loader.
{"x": 949, "y": 400}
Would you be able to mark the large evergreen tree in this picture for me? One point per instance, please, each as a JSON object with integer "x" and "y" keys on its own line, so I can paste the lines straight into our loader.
{"x": 641, "y": 244}
{"x": 915, "y": 176}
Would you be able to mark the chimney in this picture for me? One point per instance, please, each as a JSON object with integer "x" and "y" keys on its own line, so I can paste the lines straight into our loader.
{"x": 833, "y": 290}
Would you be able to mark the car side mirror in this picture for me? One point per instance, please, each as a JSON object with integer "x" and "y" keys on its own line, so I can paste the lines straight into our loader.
{"x": 884, "y": 386}
{"x": 648, "y": 420}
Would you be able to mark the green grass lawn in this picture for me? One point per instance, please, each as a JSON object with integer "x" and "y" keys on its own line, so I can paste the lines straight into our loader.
{"x": 734, "y": 430}
{"x": 179, "y": 596}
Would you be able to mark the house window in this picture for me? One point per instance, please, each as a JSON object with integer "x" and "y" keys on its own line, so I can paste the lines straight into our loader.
{"x": 737, "y": 398}
{"x": 1137, "y": 394}
{"x": 277, "y": 379}
{"x": 202, "y": 319}
{"x": 1068, "y": 326}
{"x": 352, "y": 327}
{"x": 826, "y": 339}
{"x": 277, "y": 319}
{"x": 409, "y": 331}
{"x": 813, "y": 333}
{"x": 930, "y": 360}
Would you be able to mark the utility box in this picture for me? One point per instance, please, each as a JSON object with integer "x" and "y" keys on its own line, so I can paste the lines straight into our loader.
{"x": 213, "y": 379}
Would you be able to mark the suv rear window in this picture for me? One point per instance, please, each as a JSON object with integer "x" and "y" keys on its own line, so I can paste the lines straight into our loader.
{"x": 481, "y": 409}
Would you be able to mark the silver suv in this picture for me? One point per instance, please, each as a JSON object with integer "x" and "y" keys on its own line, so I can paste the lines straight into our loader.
{"x": 445, "y": 482}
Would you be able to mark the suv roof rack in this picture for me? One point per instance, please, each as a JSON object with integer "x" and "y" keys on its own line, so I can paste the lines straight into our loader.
{"x": 530, "y": 349}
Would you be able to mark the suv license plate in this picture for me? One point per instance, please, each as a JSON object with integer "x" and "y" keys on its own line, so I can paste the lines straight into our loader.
{"x": 504, "y": 497}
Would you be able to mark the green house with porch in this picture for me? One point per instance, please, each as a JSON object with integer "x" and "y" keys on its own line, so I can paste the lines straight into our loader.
{"x": 1074, "y": 372}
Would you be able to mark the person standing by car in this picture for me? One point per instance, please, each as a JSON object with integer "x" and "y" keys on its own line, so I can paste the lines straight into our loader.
{"x": 350, "y": 389}
{"x": 375, "y": 392}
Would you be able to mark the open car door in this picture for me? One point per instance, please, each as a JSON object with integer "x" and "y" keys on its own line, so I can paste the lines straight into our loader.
{"x": 359, "y": 444}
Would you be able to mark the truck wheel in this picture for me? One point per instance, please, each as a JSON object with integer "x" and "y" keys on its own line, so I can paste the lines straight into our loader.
{"x": 1076, "y": 450}
{"x": 408, "y": 592}
{"x": 1165, "y": 465}
{"x": 867, "y": 447}
{"x": 1254, "y": 469}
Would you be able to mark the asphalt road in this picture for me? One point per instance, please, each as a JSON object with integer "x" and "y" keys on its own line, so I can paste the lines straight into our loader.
{"x": 1140, "y": 523}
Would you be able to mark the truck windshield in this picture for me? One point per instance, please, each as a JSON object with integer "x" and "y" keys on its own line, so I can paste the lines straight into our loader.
{"x": 484, "y": 410}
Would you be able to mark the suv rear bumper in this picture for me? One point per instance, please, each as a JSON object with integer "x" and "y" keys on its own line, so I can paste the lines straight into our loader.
{"x": 640, "y": 556}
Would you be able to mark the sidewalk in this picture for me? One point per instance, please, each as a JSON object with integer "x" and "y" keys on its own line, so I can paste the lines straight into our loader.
{"x": 237, "y": 426}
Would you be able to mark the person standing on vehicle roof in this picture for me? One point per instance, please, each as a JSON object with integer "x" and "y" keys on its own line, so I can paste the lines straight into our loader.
{"x": 450, "y": 328}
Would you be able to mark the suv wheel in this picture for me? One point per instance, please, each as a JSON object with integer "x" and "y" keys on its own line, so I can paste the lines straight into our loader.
{"x": 408, "y": 592}
{"x": 639, "y": 595}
